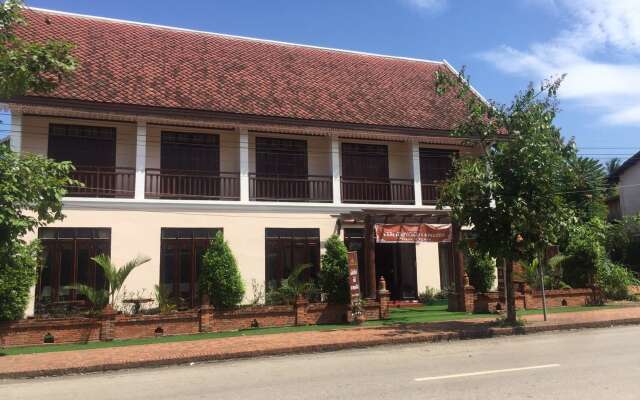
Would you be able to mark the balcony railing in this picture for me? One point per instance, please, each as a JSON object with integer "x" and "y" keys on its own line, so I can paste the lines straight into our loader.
{"x": 317, "y": 188}
{"x": 191, "y": 185}
{"x": 103, "y": 182}
{"x": 431, "y": 193}
{"x": 377, "y": 191}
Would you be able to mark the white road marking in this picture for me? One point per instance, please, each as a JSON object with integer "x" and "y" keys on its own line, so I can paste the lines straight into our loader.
{"x": 494, "y": 371}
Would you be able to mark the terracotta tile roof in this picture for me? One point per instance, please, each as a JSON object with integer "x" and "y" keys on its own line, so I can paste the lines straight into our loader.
{"x": 137, "y": 64}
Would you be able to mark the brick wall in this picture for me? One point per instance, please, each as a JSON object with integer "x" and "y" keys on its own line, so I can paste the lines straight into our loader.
{"x": 111, "y": 326}
{"x": 532, "y": 300}
{"x": 27, "y": 332}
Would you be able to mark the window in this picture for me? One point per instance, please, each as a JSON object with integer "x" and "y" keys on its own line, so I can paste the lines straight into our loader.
{"x": 435, "y": 165}
{"x": 281, "y": 157}
{"x": 361, "y": 160}
{"x": 287, "y": 249}
{"x": 180, "y": 261}
{"x": 195, "y": 152}
{"x": 84, "y": 146}
{"x": 67, "y": 254}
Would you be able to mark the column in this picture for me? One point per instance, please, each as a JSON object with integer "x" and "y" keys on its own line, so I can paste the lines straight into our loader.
{"x": 417, "y": 182}
{"x": 141, "y": 159}
{"x": 370, "y": 257}
{"x": 335, "y": 168}
{"x": 15, "y": 124}
{"x": 244, "y": 165}
{"x": 458, "y": 272}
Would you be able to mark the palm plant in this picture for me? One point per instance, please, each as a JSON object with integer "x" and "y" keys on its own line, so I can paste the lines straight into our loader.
{"x": 99, "y": 297}
{"x": 116, "y": 276}
{"x": 292, "y": 287}
{"x": 612, "y": 165}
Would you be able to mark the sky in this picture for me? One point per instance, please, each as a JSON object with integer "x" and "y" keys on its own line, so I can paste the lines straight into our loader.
{"x": 504, "y": 44}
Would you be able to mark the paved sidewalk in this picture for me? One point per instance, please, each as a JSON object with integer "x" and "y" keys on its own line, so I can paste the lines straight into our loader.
{"x": 57, "y": 363}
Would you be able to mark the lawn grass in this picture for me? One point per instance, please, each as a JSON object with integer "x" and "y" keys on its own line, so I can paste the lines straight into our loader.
{"x": 413, "y": 315}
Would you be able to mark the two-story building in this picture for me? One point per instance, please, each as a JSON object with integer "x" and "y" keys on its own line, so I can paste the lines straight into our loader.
{"x": 177, "y": 134}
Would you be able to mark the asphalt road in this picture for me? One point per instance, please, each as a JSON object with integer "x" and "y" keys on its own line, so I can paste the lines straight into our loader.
{"x": 590, "y": 364}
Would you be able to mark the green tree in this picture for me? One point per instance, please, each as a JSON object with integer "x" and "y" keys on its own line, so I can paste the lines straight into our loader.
{"x": 31, "y": 191}
{"x": 612, "y": 165}
{"x": 623, "y": 241}
{"x": 220, "y": 278}
{"x": 481, "y": 270}
{"x": 585, "y": 187}
{"x": 334, "y": 274}
{"x": 28, "y": 66}
{"x": 511, "y": 193}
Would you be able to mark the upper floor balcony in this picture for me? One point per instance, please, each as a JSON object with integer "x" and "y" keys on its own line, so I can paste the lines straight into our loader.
{"x": 124, "y": 160}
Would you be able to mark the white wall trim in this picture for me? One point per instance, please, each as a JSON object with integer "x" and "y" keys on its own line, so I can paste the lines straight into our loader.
{"x": 15, "y": 137}
{"x": 96, "y": 204}
{"x": 336, "y": 170}
{"x": 141, "y": 159}
{"x": 417, "y": 183}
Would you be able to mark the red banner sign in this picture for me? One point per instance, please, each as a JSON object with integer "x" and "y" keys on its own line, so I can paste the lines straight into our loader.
{"x": 412, "y": 233}
{"x": 354, "y": 280}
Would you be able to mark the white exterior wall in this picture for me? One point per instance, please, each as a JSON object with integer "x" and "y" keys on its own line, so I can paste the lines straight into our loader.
{"x": 427, "y": 266}
{"x": 630, "y": 190}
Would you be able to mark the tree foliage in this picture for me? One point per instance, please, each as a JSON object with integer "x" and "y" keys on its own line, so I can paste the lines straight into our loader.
{"x": 27, "y": 66}
{"x": 481, "y": 270}
{"x": 512, "y": 193}
{"x": 220, "y": 278}
{"x": 115, "y": 275}
{"x": 18, "y": 271}
{"x": 334, "y": 274}
{"x": 293, "y": 287}
{"x": 623, "y": 241}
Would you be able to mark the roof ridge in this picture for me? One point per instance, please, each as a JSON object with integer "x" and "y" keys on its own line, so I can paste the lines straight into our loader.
{"x": 239, "y": 37}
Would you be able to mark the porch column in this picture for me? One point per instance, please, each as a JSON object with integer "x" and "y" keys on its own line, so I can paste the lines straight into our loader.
{"x": 335, "y": 169}
{"x": 15, "y": 138}
{"x": 417, "y": 180}
{"x": 141, "y": 159}
{"x": 370, "y": 257}
{"x": 244, "y": 165}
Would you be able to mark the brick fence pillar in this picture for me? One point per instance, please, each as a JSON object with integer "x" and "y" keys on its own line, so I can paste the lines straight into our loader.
{"x": 107, "y": 324}
{"x": 206, "y": 318}
{"x": 300, "y": 309}
{"x": 383, "y": 298}
{"x": 469, "y": 295}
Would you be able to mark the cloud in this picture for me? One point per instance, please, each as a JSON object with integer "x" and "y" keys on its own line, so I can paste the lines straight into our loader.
{"x": 427, "y": 5}
{"x": 600, "y": 53}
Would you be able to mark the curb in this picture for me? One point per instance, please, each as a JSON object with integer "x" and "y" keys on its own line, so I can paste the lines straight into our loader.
{"x": 474, "y": 333}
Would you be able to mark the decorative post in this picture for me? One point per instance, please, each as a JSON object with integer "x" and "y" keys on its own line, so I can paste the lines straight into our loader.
{"x": 383, "y": 298}
{"x": 107, "y": 324}
{"x": 205, "y": 314}
{"x": 457, "y": 298}
{"x": 300, "y": 309}
{"x": 141, "y": 160}
{"x": 370, "y": 257}
{"x": 469, "y": 295}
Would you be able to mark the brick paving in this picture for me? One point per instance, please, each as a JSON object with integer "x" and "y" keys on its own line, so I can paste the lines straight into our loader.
{"x": 56, "y": 363}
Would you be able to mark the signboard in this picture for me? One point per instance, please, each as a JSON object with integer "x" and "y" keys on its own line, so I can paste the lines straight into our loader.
{"x": 412, "y": 233}
{"x": 354, "y": 280}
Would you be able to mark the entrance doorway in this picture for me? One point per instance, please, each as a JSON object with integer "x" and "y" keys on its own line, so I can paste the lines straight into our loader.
{"x": 396, "y": 262}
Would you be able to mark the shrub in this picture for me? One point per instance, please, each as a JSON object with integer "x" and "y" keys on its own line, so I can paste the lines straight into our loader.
{"x": 220, "y": 277}
{"x": 334, "y": 275}
{"x": 584, "y": 251}
{"x": 623, "y": 242}
{"x": 614, "y": 280}
{"x": 481, "y": 270}
{"x": 430, "y": 295}
{"x": 164, "y": 300}
{"x": 552, "y": 273}
{"x": 18, "y": 272}
{"x": 292, "y": 287}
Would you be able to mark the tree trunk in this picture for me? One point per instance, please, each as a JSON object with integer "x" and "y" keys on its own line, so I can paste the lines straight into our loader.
{"x": 511, "y": 295}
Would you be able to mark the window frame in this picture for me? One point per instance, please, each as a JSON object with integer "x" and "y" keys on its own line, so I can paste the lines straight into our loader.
{"x": 280, "y": 241}
{"x": 94, "y": 143}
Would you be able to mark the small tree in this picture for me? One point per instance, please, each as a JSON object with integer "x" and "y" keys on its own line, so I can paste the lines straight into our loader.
{"x": 18, "y": 268}
{"x": 220, "y": 278}
{"x": 334, "y": 274}
{"x": 116, "y": 276}
{"x": 512, "y": 193}
{"x": 27, "y": 66}
{"x": 481, "y": 270}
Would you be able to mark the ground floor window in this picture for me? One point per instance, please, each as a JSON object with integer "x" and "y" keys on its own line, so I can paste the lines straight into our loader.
{"x": 180, "y": 262}
{"x": 289, "y": 248}
{"x": 67, "y": 254}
